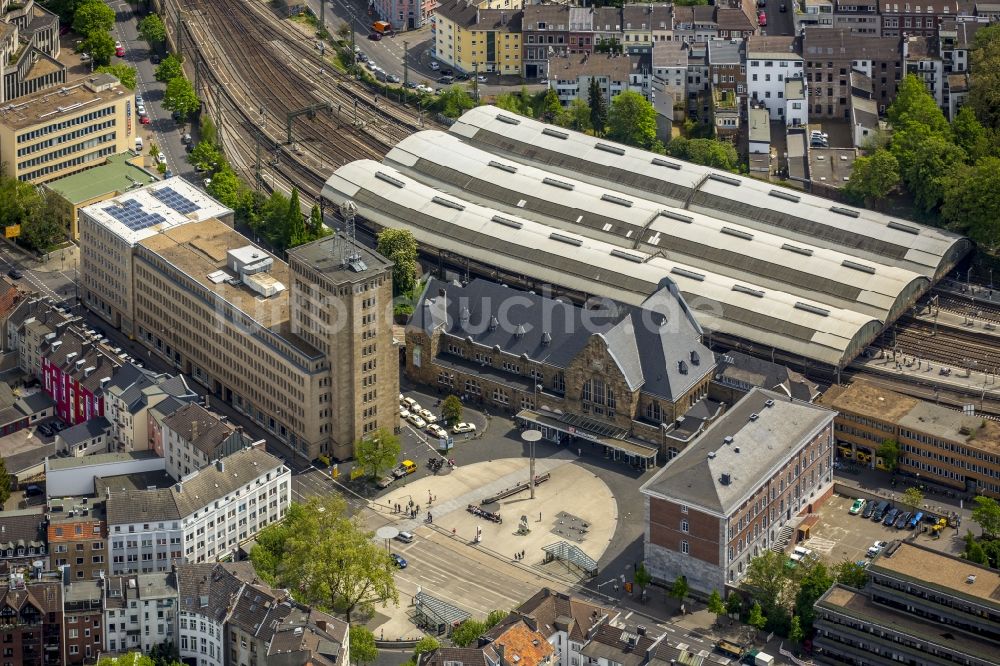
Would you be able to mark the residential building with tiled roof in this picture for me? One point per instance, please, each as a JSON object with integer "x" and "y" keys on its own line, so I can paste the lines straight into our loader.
{"x": 193, "y": 437}
{"x": 128, "y": 397}
{"x": 87, "y": 438}
{"x": 83, "y": 632}
{"x": 899, "y": 18}
{"x": 77, "y": 535}
{"x": 565, "y": 620}
{"x": 32, "y": 609}
{"x": 189, "y": 521}
{"x": 830, "y": 54}
{"x": 75, "y": 371}
{"x": 479, "y": 37}
{"x": 23, "y": 538}
{"x": 743, "y": 372}
{"x": 140, "y": 611}
{"x": 723, "y": 500}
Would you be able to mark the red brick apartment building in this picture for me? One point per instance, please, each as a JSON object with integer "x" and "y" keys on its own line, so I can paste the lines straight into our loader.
{"x": 725, "y": 498}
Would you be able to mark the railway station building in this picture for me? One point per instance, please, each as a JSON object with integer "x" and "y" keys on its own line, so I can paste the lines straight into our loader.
{"x": 610, "y": 375}
{"x": 937, "y": 444}
{"x": 725, "y": 499}
{"x": 59, "y": 131}
{"x": 305, "y": 349}
{"x": 770, "y": 271}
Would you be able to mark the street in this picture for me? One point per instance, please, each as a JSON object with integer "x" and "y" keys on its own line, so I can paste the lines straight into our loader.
{"x": 779, "y": 22}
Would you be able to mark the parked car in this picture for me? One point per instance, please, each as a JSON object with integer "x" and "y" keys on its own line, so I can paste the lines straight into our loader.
{"x": 436, "y": 431}
{"x": 398, "y": 560}
{"x": 155, "y": 59}
{"x": 464, "y": 427}
{"x": 800, "y": 553}
{"x": 409, "y": 402}
{"x": 392, "y": 78}
{"x": 447, "y": 72}
{"x": 879, "y": 513}
{"x": 15, "y": 274}
{"x": 375, "y": 36}
{"x": 405, "y": 537}
{"x": 416, "y": 421}
{"x": 446, "y": 79}
{"x": 876, "y": 548}
{"x": 782, "y": 8}
{"x": 33, "y": 490}
{"x": 119, "y": 49}
{"x": 902, "y": 519}
{"x": 890, "y": 517}
{"x": 45, "y": 430}
{"x": 144, "y": 120}
{"x": 435, "y": 66}
{"x": 404, "y": 413}
{"x": 428, "y": 416}
{"x": 481, "y": 79}
{"x": 915, "y": 520}
{"x": 858, "y": 506}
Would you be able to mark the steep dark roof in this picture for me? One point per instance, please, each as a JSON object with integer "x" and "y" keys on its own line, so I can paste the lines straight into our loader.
{"x": 203, "y": 429}
{"x": 557, "y": 611}
{"x": 755, "y": 371}
{"x": 25, "y": 527}
{"x": 656, "y": 346}
{"x": 618, "y": 644}
{"x": 81, "y": 432}
{"x": 464, "y": 656}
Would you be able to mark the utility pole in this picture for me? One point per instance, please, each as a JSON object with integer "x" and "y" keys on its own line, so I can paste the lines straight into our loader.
{"x": 197, "y": 74}
{"x": 354, "y": 55}
{"x": 406, "y": 64}
{"x": 475, "y": 82}
{"x": 322, "y": 19}
{"x": 180, "y": 34}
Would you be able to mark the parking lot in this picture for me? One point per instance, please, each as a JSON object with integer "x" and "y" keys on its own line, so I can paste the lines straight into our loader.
{"x": 839, "y": 535}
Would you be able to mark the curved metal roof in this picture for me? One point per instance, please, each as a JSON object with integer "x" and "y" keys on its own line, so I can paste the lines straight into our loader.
{"x": 516, "y": 245}
{"x": 737, "y": 251}
{"x": 807, "y": 218}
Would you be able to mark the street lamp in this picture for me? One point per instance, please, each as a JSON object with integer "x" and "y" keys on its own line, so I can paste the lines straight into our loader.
{"x": 531, "y": 436}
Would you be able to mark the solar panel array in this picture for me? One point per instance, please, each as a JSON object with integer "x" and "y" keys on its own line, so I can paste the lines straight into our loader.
{"x": 133, "y": 215}
{"x": 172, "y": 198}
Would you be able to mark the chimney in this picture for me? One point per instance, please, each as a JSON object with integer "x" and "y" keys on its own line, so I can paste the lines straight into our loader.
{"x": 220, "y": 465}
{"x": 321, "y": 624}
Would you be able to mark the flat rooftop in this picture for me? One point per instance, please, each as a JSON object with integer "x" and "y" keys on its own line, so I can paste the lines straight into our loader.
{"x": 155, "y": 208}
{"x": 325, "y": 256}
{"x": 53, "y": 104}
{"x": 112, "y": 178}
{"x": 100, "y": 459}
{"x": 856, "y": 604}
{"x": 866, "y": 399}
{"x": 831, "y": 166}
{"x": 942, "y": 572}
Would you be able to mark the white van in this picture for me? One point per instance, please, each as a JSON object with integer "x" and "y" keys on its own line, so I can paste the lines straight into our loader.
{"x": 138, "y": 144}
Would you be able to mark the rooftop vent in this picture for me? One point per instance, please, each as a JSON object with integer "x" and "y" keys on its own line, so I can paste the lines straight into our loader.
{"x": 566, "y": 239}
{"x": 971, "y": 579}
{"x": 441, "y": 201}
{"x": 683, "y": 272}
{"x": 796, "y": 249}
{"x": 381, "y": 175}
{"x": 519, "y": 332}
{"x": 898, "y": 226}
{"x": 548, "y": 131}
{"x": 464, "y": 315}
{"x": 503, "y": 167}
{"x": 711, "y": 455}
{"x": 794, "y": 198}
{"x": 616, "y": 200}
{"x": 608, "y": 148}
{"x": 769, "y": 403}
{"x": 759, "y": 293}
{"x": 728, "y": 180}
{"x": 507, "y": 222}
{"x": 666, "y": 163}
{"x": 507, "y": 119}
{"x": 494, "y": 323}
{"x": 739, "y": 233}
{"x": 725, "y": 479}
{"x": 695, "y": 359}
{"x": 754, "y": 416}
{"x": 847, "y": 263}
{"x": 626, "y": 256}
{"x": 546, "y": 338}
{"x": 812, "y": 308}
{"x": 682, "y": 367}
{"x": 728, "y": 439}
{"x": 840, "y": 210}
{"x": 561, "y": 184}
{"x": 677, "y": 216}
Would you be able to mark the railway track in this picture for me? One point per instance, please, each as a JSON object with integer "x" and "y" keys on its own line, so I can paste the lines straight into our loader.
{"x": 956, "y": 304}
{"x": 951, "y": 347}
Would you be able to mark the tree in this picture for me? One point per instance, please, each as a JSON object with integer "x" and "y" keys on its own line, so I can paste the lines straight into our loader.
{"x": 316, "y": 227}
{"x": 206, "y": 155}
{"x": 679, "y": 590}
{"x": 152, "y": 30}
{"x": 576, "y": 116}
{"x": 4, "y": 482}
{"x": 971, "y": 136}
{"x": 122, "y": 72}
{"x": 92, "y": 17}
{"x": 767, "y": 579}
{"x": 169, "y": 68}
{"x": 873, "y": 177}
{"x": 915, "y": 104}
{"x": 551, "y": 106}
{"x": 972, "y": 202}
{"x": 984, "y": 76}
{"x": 598, "y": 107}
{"x": 162, "y": 654}
{"x": 377, "y": 452}
{"x": 363, "y": 648}
{"x": 296, "y": 225}
{"x": 451, "y": 409}
{"x": 912, "y": 498}
{"x": 100, "y": 46}
{"x": 709, "y": 152}
{"x": 495, "y": 617}
{"x": 716, "y": 606}
{"x": 926, "y": 160}
{"x": 425, "y": 645}
{"x": 888, "y": 450}
{"x": 757, "y": 619}
{"x": 632, "y": 120}
{"x": 643, "y": 578}
{"x": 814, "y": 583}
{"x": 468, "y": 633}
{"x": 851, "y": 574}
{"x": 454, "y": 101}
{"x": 47, "y": 225}
{"x": 512, "y": 102}
{"x": 208, "y": 131}
{"x": 796, "y": 634}
{"x": 225, "y": 186}
{"x": 181, "y": 98}
{"x": 987, "y": 515}
{"x": 734, "y": 604}
{"x": 974, "y": 552}
{"x": 131, "y": 659}
{"x": 327, "y": 557}
{"x": 399, "y": 247}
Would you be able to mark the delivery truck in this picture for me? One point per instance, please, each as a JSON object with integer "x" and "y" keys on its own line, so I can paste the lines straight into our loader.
{"x": 382, "y": 27}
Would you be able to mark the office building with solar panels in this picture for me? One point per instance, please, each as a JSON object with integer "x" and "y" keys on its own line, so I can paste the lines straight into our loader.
{"x": 765, "y": 268}
{"x": 163, "y": 264}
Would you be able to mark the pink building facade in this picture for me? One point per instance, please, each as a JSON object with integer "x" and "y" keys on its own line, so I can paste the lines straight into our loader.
{"x": 74, "y": 403}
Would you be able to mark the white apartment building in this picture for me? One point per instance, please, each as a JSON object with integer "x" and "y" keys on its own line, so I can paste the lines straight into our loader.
{"x": 202, "y": 518}
{"x": 771, "y": 61}
{"x": 128, "y": 397}
{"x": 193, "y": 437}
{"x": 139, "y": 611}
{"x": 796, "y": 103}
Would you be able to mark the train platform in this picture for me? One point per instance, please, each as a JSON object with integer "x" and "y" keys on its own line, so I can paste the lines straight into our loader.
{"x": 977, "y": 385}
{"x": 973, "y": 321}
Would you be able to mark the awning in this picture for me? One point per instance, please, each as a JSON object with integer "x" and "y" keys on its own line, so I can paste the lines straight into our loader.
{"x": 590, "y": 430}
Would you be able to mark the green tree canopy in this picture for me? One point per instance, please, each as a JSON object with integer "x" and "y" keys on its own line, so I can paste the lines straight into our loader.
{"x": 467, "y": 633}
{"x": 757, "y": 619}
{"x": 971, "y": 136}
{"x": 974, "y": 552}
{"x": 814, "y": 583}
{"x": 632, "y": 120}
{"x": 972, "y": 202}
{"x": 495, "y": 617}
{"x": 181, "y": 98}
{"x": 734, "y": 603}
{"x": 912, "y": 498}
{"x": 851, "y": 574}
{"x": 327, "y": 557}
{"x": 716, "y": 606}
{"x": 512, "y": 102}
{"x": 888, "y": 451}
{"x": 48, "y": 225}
{"x": 100, "y": 46}
{"x": 873, "y": 177}
{"x": 152, "y": 30}
{"x": 551, "y": 106}
{"x": 679, "y": 590}
{"x": 128, "y": 659}
{"x": 984, "y": 76}
{"x": 709, "y": 152}
{"x": 796, "y": 633}
{"x": 169, "y": 68}
{"x": 915, "y": 104}
{"x": 4, "y": 482}
{"x": 454, "y": 101}
{"x": 363, "y": 648}
{"x": 768, "y": 580}
{"x": 598, "y": 107}
{"x": 297, "y": 234}
{"x": 926, "y": 160}
{"x": 451, "y": 409}
{"x": 93, "y": 16}
{"x": 122, "y": 72}
{"x": 226, "y": 186}
{"x": 378, "y": 452}
{"x": 206, "y": 155}
{"x": 642, "y": 577}
{"x": 576, "y": 116}
{"x": 987, "y": 515}
{"x": 399, "y": 247}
